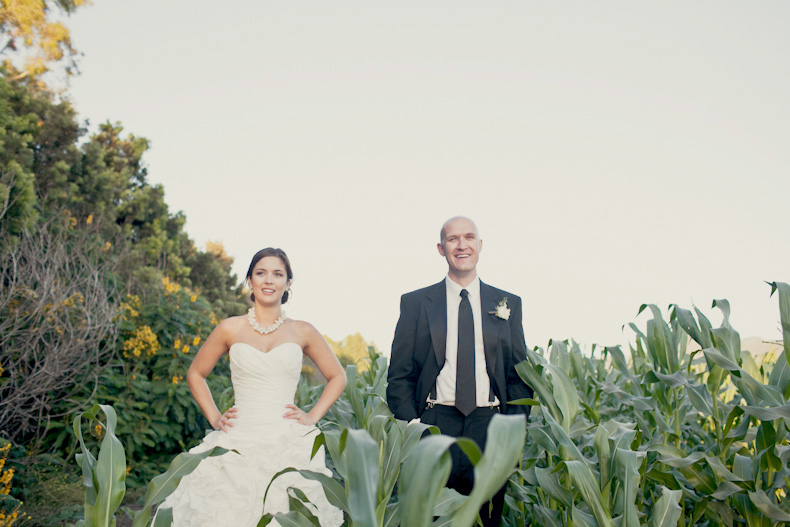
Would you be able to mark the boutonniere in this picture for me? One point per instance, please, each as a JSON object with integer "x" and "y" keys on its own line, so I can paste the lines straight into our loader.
{"x": 501, "y": 310}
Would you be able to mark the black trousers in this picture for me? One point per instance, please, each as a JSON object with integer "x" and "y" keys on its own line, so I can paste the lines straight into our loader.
{"x": 453, "y": 423}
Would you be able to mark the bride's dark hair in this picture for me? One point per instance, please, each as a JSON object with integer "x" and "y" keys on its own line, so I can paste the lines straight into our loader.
{"x": 279, "y": 253}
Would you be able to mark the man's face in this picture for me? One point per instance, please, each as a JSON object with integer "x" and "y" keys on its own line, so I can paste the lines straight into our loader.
{"x": 460, "y": 246}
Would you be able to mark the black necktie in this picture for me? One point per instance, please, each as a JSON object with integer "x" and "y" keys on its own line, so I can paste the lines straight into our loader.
{"x": 465, "y": 373}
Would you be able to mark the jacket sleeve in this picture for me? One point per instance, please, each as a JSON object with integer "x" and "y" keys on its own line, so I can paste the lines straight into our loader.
{"x": 402, "y": 375}
{"x": 516, "y": 388}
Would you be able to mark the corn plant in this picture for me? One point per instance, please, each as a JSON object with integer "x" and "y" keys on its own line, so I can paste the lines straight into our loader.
{"x": 104, "y": 477}
{"x": 676, "y": 437}
{"x": 370, "y": 467}
{"x": 374, "y": 455}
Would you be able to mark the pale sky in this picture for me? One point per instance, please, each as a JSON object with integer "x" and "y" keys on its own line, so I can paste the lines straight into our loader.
{"x": 612, "y": 153}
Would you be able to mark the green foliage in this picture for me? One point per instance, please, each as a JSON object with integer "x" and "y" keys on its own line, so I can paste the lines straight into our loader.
{"x": 372, "y": 452}
{"x": 146, "y": 384}
{"x": 90, "y": 199}
{"x": 676, "y": 437}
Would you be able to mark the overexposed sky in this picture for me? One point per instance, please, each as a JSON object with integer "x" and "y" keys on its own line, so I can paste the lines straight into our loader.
{"x": 613, "y": 153}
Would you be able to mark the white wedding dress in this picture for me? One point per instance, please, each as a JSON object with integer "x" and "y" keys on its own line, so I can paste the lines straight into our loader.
{"x": 228, "y": 490}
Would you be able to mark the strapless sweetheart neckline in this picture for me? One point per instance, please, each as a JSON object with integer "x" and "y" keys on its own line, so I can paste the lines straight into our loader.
{"x": 266, "y": 352}
{"x": 229, "y": 490}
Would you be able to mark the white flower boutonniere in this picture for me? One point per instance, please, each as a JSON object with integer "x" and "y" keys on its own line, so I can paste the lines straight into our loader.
{"x": 502, "y": 311}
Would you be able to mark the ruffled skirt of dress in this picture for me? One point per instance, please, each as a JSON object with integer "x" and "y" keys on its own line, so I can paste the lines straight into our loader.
{"x": 228, "y": 490}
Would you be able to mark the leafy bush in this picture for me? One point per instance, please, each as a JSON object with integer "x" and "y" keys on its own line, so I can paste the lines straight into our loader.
{"x": 146, "y": 383}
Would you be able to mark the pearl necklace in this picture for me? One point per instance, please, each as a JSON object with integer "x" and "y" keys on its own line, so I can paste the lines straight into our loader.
{"x": 257, "y": 327}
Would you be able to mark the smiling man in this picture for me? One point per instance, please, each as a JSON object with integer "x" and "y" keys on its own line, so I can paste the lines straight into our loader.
{"x": 454, "y": 354}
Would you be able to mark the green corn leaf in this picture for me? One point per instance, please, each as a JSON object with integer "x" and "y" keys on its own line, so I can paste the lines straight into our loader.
{"x": 627, "y": 463}
{"x": 721, "y": 471}
{"x": 565, "y": 395}
{"x": 296, "y": 503}
{"x": 584, "y": 481}
{"x": 334, "y": 491}
{"x": 547, "y": 517}
{"x": 604, "y": 452}
{"x": 568, "y": 448}
{"x": 423, "y": 476}
{"x": 362, "y": 463}
{"x": 780, "y": 375}
{"x": 541, "y": 436}
{"x": 378, "y": 426}
{"x": 110, "y": 473}
{"x": 549, "y": 482}
{"x": 768, "y": 414}
{"x": 391, "y": 516}
{"x": 753, "y": 391}
{"x": 450, "y": 500}
{"x": 661, "y": 344}
{"x": 504, "y": 446}
{"x": 667, "y": 509}
{"x": 413, "y": 433}
{"x": 764, "y": 504}
{"x": 725, "y": 490}
{"x": 743, "y": 467}
{"x": 164, "y": 484}
{"x": 390, "y": 461}
{"x": 689, "y": 325}
{"x": 290, "y": 519}
{"x": 319, "y": 441}
{"x": 539, "y": 385}
{"x": 582, "y": 519}
{"x": 335, "y": 441}
{"x": 721, "y": 513}
{"x": 784, "y": 313}
{"x": 164, "y": 517}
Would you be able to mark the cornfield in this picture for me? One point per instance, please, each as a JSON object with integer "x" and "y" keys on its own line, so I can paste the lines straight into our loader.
{"x": 673, "y": 434}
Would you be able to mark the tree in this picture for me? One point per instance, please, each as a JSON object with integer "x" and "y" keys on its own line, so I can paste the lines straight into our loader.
{"x": 29, "y": 32}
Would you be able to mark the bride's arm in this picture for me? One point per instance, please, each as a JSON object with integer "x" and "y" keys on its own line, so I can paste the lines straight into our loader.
{"x": 215, "y": 346}
{"x": 318, "y": 350}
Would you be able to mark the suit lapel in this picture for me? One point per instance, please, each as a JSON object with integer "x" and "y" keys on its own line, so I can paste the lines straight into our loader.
{"x": 436, "y": 309}
{"x": 488, "y": 301}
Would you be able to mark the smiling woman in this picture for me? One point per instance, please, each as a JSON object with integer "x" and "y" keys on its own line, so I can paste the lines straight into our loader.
{"x": 267, "y": 431}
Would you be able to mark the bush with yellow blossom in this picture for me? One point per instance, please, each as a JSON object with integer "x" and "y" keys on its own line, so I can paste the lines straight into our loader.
{"x": 159, "y": 338}
{"x": 9, "y": 507}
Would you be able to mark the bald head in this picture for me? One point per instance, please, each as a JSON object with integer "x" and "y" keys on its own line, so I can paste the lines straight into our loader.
{"x": 457, "y": 220}
{"x": 460, "y": 245}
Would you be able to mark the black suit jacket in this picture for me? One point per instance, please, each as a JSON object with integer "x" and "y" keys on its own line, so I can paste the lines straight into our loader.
{"x": 419, "y": 347}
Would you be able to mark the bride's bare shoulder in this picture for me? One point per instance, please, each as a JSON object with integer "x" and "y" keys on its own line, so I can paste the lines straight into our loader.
{"x": 231, "y": 325}
{"x": 304, "y": 329}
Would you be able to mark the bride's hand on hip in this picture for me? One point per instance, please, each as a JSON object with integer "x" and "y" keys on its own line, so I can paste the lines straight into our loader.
{"x": 303, "y": 418}
{"x": 225, "y": 421}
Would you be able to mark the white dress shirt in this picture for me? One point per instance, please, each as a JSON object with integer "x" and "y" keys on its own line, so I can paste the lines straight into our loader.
{"x": 445, "y": 382}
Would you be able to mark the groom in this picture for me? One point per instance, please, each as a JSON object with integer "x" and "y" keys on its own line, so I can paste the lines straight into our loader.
{"x": 454, "y": 354}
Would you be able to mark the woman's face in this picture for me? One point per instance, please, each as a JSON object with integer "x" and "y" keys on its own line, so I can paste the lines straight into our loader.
{"x": 269, "y": 280}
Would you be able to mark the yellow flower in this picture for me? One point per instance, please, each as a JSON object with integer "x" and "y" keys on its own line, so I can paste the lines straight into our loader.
{"x": 107, "y": 246}
{"x": 144, "y": 340}
{"x": 193, "y": 297}
{"x": 89, "y": 219}
{"x": 170, "y": 286}
{"x": 196, "y": 341}
{"x": 98, "y": 430}
{"x": 175, "y": 379}
{"x": 177, "y": 343}
{"x": 186, "y": 349}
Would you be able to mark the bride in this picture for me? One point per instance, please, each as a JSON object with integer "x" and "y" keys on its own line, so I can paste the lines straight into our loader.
{"x": 267, "y": 430}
